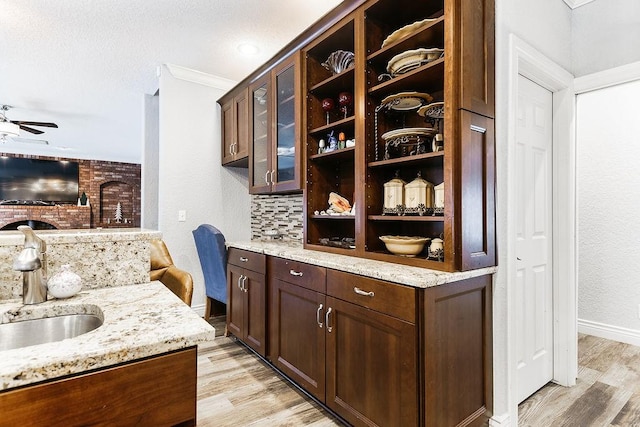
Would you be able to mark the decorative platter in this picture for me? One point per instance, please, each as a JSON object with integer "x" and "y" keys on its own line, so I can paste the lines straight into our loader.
{"x": 406, "y": 30}
{"x": 406, "y": 101}
{"x": 411, "y": 59}
{"x": 397, "y": 133}
{"x": 434, "y": 110}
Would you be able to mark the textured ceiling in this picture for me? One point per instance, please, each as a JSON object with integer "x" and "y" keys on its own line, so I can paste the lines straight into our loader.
{"x": 86, "y": 64}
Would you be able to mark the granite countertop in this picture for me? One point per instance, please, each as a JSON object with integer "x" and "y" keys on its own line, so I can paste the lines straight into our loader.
{"x": 15, "y": 237}
{"x": 398, "y": 273}
{"x": 139, "y": 321}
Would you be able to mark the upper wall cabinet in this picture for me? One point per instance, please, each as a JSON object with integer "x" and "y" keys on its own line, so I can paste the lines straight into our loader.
{"x": 235, "y": 128}
{"x": 422, "y": 164}
{"x": 389, "y": 105}
{"x": 275, "y": 123}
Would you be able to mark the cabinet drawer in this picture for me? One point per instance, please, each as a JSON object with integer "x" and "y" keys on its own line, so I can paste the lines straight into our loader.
{"x": 395, "y": 300}
{"x": 246, "y": 259}
{"x": 298, "y": 273}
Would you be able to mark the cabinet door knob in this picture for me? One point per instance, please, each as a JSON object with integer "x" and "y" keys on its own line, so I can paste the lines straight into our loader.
{"x": 266, "y": 177}
{"x": 326, "y": 320}
{"x": 359, "y": 291}
{"x": 244, "y": 284}
{"x": 243, "y": 259}
{"x": 239, "y": 284}
{"x": 296, "y": 273}
{"x": 318, "y": 316}
{"x": 273, "y": 173}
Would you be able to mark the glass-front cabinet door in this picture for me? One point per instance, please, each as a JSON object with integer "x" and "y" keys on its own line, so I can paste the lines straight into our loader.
{"x": 287, "y": 116}
{"x": 275, "y": 115}
{"x": 260, "y": 171}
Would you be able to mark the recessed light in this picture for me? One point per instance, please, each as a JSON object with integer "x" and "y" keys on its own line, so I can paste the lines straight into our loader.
{"x": 248, "y": 49}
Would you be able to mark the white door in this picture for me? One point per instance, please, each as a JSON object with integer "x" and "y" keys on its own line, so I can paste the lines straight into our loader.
{"x": 534, "y": 275}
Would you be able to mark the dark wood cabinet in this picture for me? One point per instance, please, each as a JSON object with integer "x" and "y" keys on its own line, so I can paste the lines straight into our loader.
{"x": 457, "y": 339}
{"x": 275, "y": 122}
{"x": 477, "y": 219}
{"x": 361, "y": 362}
{"x": 474, "y": 54}
{"x": 462, "y": 79}
{"x": 371, "y": 366}
{"x": 297, "y": 334}
{"x": 374, "y": 352}
{"x": 246, "y": 301}
{"x": 156, "y": 391}
{"x": 235, "y": 128}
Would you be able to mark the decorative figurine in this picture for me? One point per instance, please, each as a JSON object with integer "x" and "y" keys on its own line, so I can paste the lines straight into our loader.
{"x": 333, "y": 143}
{"x": 341, "y": 140}
{"x": 321, "y": 145}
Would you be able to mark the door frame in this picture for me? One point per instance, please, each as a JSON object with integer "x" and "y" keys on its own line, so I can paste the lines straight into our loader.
{"x": 527, "y": 61}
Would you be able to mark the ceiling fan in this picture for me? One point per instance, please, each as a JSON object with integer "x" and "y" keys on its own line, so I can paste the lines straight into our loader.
{"x": 11, "y": 128}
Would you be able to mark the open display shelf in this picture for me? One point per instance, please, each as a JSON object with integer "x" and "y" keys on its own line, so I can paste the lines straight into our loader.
{"x": 359, "y": 173}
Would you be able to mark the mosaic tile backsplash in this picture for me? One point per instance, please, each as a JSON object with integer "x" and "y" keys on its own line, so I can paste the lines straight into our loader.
{"x": 277, "y": 212}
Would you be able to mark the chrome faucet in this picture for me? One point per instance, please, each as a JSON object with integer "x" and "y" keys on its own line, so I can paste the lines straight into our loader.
{"x": 32, "y": 262}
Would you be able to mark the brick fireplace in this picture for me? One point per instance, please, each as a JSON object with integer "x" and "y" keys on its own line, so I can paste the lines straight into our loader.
{"x": 105, "y": 183}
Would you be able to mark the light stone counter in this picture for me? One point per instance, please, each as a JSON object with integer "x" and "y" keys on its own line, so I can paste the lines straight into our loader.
{"x": 102, "y": 257}
{"x": 390, "y": 272}
{"x": 139, "y": 321}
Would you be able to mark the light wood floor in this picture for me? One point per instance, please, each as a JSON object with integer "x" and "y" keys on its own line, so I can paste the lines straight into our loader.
{"x": 235, "y": 388}
{"x": 607, "y": 392}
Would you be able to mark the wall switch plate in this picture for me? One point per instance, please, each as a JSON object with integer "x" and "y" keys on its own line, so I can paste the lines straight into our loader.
{"x": 182, "y": 216}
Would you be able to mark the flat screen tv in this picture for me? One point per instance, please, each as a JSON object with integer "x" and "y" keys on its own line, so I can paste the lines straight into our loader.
{"x": 34, "y": 180}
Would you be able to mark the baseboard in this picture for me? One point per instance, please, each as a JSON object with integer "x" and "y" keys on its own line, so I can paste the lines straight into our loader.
{"x": 610, "y": 332}
{"x": 199, "y": 309}
{"x": 500, "y": 421}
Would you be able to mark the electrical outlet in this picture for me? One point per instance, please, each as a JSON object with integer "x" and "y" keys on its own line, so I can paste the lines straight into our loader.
{"x": 182, "y": 216}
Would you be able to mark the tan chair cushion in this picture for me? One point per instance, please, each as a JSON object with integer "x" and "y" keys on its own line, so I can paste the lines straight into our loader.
{"x": 178, "y": 281}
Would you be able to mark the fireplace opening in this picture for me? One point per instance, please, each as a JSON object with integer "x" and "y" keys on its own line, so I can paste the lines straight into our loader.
{"x": 33, "y": 223}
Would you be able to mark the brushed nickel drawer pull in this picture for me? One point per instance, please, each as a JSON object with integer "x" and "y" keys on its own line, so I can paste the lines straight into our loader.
{"x": 359, "y": 291}
{"x": 243, "y": 259}
{"x": 326, "y": 320}
{"x": 318, "y": 316}
{"x": 244, "y": 283}
{"x": 239, "y": 284}
{"x": 478, "y": 129}
{"x": 296, "y": 273}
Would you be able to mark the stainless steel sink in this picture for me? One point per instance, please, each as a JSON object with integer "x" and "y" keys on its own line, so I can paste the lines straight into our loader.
{"x": 48, "y": 329}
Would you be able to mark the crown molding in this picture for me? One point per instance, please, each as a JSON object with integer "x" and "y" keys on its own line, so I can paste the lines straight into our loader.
{"x": 199, "y": 77}
{"x": 576, "y": 3}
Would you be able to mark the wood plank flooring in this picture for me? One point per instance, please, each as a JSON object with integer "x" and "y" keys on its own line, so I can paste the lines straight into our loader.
{"x": 607, "y": 392}
{"x": 235, "y": 388}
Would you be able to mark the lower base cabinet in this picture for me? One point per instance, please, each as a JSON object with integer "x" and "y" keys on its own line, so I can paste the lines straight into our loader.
{"x": 360, "y": 362}
{"x": 371, "y": 370}
{"x": 159, "y": 391}
{"x": 382, "y": 354}
{"x": 246, "y": 299}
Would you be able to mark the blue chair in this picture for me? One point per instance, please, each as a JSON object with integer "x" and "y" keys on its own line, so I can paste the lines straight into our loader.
{"x": 212, "y": 252}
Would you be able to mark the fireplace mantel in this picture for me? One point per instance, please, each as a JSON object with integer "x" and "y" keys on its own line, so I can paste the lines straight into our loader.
{"x": 59, "y": 216}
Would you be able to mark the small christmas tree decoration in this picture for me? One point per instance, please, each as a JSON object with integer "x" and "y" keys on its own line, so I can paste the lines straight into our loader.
{"x": 118, "y": 216}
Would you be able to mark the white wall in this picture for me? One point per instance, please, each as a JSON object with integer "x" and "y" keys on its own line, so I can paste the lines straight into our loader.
{"x": 606, "y": 34}
{"x": 546, "y": 25}
{"x": 190, "y": 175}
{"x": 609, "y": 208}
{"x": 149, "y": 190}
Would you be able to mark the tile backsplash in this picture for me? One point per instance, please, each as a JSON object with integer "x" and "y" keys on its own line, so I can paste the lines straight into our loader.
{"x": 277, "y": 212}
